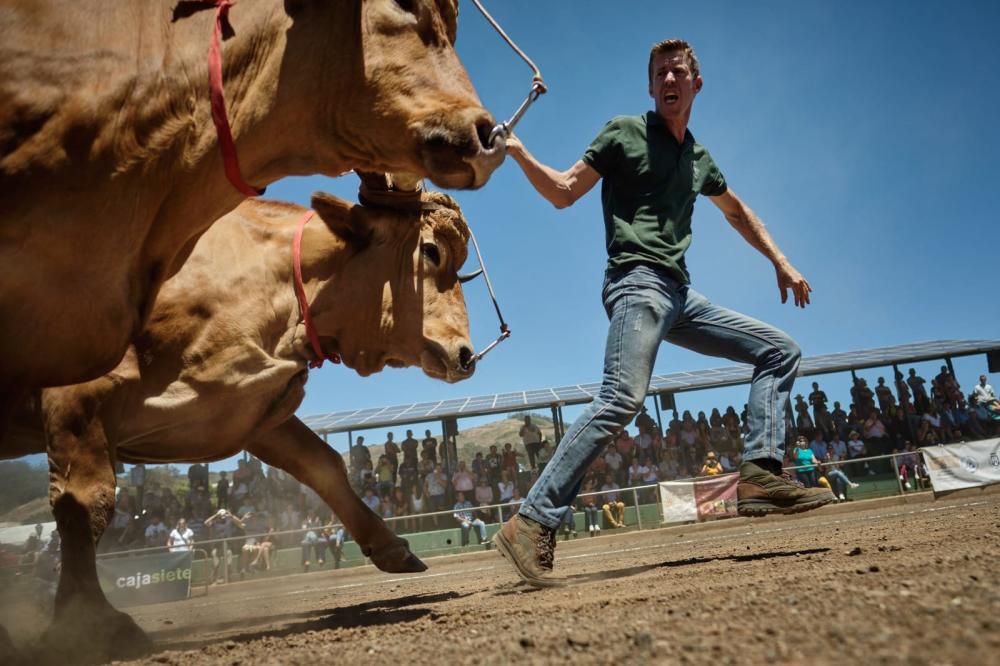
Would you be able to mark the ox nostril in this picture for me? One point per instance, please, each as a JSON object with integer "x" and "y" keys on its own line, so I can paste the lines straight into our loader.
{"x": 484, "y": 127}
{"x": 466, "y": 358}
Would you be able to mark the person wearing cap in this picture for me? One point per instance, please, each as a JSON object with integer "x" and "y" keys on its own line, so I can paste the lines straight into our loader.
{"x": 652, "y": 171}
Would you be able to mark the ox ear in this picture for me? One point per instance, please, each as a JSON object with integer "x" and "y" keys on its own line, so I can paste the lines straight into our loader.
{"x": 344, "y": 219}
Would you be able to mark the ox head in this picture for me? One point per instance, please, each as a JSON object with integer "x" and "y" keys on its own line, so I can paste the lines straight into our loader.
{"x": 408, "y": 106}
{"x": 398, "y": 295}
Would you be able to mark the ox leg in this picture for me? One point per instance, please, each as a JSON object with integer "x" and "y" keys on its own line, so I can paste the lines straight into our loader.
{"x": 296, "y": 449}
{"x": 82, "y": 493}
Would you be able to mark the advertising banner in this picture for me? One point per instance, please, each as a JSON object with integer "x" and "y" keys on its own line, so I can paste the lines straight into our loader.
{"x": 966, "y": 465}
{"x": 145, "y": 579}
{"x": 707, "y": 498}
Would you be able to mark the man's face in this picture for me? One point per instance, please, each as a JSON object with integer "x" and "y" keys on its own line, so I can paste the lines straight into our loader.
{"x": 982, "y": 379}
{"x": 673, "y": 87}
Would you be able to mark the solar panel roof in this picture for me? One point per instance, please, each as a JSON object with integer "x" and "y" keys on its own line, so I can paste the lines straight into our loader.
{"x": 360, "y": 419}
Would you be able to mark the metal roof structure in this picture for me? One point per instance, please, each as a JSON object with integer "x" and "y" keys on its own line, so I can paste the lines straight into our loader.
{"x": 678, "y": 382}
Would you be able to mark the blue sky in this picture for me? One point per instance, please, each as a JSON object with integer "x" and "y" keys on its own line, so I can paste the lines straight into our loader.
{"x": 863, "y": 134}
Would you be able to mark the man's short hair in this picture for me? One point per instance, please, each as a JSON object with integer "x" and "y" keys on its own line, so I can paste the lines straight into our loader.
{"x": 670, "y": 45}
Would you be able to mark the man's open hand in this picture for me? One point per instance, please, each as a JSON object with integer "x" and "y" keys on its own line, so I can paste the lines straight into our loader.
{"x": 789, "y": 278}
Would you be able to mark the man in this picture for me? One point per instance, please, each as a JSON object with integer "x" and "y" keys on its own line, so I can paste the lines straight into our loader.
{"x": 652, "y": 172}
{"x": 391, "y": 453}
{"x": 984, "y": 392}
{"x": 222, "y": 491}
{"x": 156, "y": 532}
{"x": 409, "y": 448}
{"x": 531, "y": 437}
{"x": 466, "y": 520}
{"x": 181, "y": 538}
{"x": 429, "y": 445}
{"x": 614, "y": 507}
{"x": 818, "y": 401}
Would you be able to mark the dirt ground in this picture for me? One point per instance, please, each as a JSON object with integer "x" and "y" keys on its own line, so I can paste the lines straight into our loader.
{"x": 878, "y": 582}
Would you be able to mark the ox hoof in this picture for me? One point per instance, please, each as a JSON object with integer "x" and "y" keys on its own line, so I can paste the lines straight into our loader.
{"x": 84, "y": 635}
{"x": 396, "y": 558}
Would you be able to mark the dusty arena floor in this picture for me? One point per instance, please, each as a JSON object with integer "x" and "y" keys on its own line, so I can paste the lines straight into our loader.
{"x": 892, "y": 582}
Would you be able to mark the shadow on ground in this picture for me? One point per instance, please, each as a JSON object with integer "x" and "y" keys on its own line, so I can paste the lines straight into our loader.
{"x": 369, "y": 614}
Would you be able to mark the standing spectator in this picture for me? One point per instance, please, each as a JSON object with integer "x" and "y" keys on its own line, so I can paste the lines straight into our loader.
{"x": 478, "y": 465}
{"x": 818, "y": 401}
{"x": 510, "y": 457}
{"x": 643, "y": 421}
{"x": 494, "y": 463}
{"x": 902, "y": 389}
{"x": 591, "y": 512}
{"x": 222, "y": 491}
{"x": 228, "y": 527}
{"x": 391, "y": 453}
{"x": 435, "y": 488}
{"x": 408, "y": 473}
{"x": 531, "y": 437}
{"x": 429, "y": 446}
{"x": 613, "y": 459}
{"x": 916, "y": 384}
{"x": 839, "y": 419}
{"x": 409, "y": 448}
{"x": 614, "y": 508}
{"x": 886, "y": 400}
{"x": 311, "y": 541}
{"x": 463, "y": 514}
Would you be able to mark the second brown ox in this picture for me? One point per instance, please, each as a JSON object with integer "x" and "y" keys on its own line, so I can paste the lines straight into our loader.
{"x": 222, "y": 365}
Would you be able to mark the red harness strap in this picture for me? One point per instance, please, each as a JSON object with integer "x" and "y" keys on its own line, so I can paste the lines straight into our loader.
{"x": 222, "y": 129}
{"x": 300, "y": 294}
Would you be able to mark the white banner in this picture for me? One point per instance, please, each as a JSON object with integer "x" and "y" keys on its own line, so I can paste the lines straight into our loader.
{"x": 706, "y": 498}
{"x": 967, "y": 465}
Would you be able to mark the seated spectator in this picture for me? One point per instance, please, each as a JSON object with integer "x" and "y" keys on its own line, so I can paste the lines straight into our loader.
{"x": 805, "y": 463}
{"x": 544, "y": 455}
{"x": 591, "y": 512}
{"x": 372, "y": 500}
{"x": 385, "y": 475}
{"x": 515, "y": 503}
{"x": 484, "y": 492}
{"x": 463, "y": 514}
{"x": 505, "y": 487}
{"x": 712, "y": 466}
{"x": 613, "y": 459}
{"x": 257, "y": 552}
{"x": 418, "y": 505}
{"x": 436, "y": 489}
{"x": 635, "y": 473}
{"x": 837, "y": 479}
{"x": 568, "y": 525}
{"x": 400, "y": 508}
{"x": 156, "y": 532}
{"x": 333, "y": 535}
{"x": 462, "y": 480}
{"x": 625, "y": 445}
{"x": 856, "y": 449}
{"x": 931, "y": 422}
{"x": 614, "y": 508}
{"x": 181, "y": 538}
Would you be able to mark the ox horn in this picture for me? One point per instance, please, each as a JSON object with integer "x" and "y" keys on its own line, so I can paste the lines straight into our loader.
{"x": 466, "y": 277}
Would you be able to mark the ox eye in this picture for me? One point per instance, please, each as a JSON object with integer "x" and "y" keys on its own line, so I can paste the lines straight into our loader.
{"x": 432, "y": 253}
{"x": 407, "y": 5}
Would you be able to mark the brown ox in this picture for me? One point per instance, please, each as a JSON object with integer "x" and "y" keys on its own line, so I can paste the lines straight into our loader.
{"x": 222, "y": 364}
{"x": 110, "y": 167}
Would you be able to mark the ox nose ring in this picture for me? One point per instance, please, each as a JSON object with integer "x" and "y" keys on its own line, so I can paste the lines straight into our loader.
{"x": 466, "y": 359}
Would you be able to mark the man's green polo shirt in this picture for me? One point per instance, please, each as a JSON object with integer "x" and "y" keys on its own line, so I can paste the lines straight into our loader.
{"x": 649, "y": 186}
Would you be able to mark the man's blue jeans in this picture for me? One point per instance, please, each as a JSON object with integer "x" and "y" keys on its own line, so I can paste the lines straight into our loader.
{"x": 646, "y": 306}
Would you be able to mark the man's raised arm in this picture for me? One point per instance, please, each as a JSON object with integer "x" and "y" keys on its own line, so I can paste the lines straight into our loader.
{"x": 560, "y": 188}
